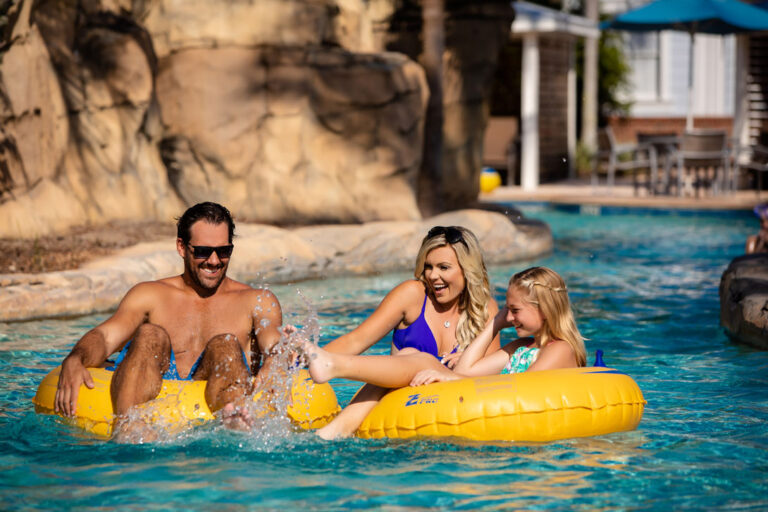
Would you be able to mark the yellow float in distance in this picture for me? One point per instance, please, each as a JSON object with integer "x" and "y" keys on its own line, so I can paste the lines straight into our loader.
{"x": 181, "y": 403}
{"x": 489, "y": 179}
{"x": 530, "y": 406}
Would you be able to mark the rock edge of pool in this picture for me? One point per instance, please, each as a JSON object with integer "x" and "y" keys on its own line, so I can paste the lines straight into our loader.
{"x": 265, "y": 255}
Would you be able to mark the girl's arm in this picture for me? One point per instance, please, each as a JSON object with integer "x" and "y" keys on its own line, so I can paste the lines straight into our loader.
{"x": 450, "y": 360}
{"x": 388, "y": 315}
{"x": 476, "y": 360}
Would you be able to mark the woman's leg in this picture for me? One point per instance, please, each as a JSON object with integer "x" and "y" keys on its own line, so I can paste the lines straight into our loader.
{"x": 345, "y": 423}
{"x": 380, "y": 372}
{"x": 385, "y": 371}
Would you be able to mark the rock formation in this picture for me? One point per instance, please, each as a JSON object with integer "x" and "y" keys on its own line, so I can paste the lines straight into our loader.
{"x": 744, "y": 300}
{"x": 287, "y": 111}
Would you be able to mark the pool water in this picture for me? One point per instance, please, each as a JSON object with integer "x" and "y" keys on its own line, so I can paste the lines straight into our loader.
{"x": 645, "y": 290}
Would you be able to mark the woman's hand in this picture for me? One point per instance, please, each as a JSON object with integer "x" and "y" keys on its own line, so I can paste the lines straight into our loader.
{"x": 451, "y": 359}
{"x": 432, "y": 375}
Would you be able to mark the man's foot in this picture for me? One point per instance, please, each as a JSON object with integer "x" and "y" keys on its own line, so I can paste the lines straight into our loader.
{"x": 320, "y": 362}
{"x": 236, "y": 417}
{"x": 136, "y": 431}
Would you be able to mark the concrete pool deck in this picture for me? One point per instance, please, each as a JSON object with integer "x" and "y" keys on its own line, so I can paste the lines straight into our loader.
{"x": 581, "y": 192}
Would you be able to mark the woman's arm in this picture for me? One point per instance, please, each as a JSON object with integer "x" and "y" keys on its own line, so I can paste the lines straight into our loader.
{"x": 388, "y": 315}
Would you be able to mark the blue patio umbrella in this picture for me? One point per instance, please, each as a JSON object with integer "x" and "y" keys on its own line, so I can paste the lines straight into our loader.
{"x": 693, "y": 16}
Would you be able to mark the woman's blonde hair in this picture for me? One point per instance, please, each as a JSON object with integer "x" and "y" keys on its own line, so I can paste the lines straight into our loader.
{"x": 545, "y": 289}
{"x": 474, "y": 299}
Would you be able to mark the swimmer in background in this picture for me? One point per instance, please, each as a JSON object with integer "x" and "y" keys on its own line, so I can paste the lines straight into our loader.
{"x": 433, "y": 317}
{"x": 759, "y": 242}
{"x": 537, "y": 307}
{"x": 200, "y": 325}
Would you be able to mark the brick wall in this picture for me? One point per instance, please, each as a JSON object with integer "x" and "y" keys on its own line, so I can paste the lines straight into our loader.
{"x": 626, "y": 129}
{"x": 553, "y": 107}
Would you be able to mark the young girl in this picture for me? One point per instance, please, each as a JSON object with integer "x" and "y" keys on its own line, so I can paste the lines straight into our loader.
{"x": 537, "y": 307}
{"x": 432, "y": 318}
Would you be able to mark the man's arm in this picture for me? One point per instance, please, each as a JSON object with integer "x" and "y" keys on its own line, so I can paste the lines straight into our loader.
{"x": 96, "y": 345}
{"x": 266, "y": 326}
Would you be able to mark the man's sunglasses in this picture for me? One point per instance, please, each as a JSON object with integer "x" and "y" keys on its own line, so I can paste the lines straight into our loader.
{"x": 452, "y": 234}
{"x": 203, "y": 252}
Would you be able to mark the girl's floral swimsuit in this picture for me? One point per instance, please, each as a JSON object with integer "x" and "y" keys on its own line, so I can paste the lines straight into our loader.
{"x": 521, "y": 359}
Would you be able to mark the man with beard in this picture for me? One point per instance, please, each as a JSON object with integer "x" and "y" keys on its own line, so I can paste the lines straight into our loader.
{"x": 200, "y": 325}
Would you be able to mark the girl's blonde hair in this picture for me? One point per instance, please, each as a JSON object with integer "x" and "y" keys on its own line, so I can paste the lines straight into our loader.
{"x": 474, "y": 299}
{"x": 545, "y": 289}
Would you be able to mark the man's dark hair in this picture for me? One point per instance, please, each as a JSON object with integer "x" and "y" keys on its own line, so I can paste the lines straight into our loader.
{"x": 213, "y": 213}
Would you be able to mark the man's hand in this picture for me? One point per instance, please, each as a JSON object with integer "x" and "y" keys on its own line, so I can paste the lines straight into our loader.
{"x": 72, "y": 375}
{"x": 430, "y": 376}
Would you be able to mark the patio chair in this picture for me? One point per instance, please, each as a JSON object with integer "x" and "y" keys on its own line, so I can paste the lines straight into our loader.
{"x": 499, "y": 145}
{"x": 625, "y": 157}
{"x": 666, "y": 145}
{"x": 754, "y": 159}
{"x": 700, "y": 152}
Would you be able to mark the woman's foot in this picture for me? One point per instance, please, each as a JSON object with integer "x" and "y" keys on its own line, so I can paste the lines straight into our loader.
{"x": 320, "y": 362}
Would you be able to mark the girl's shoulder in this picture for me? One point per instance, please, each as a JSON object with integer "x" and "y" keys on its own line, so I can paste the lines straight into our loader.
{"x": 558, "y": 351}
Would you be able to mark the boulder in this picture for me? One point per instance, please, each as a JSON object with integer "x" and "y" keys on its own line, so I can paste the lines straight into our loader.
{"x": 744, "y": 300}
{"x": 285, "y": 135}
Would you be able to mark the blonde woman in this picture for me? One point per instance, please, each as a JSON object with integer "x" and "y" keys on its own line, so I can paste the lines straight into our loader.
{"x": 433, "y": 319}
{"x": 537, "y": 307}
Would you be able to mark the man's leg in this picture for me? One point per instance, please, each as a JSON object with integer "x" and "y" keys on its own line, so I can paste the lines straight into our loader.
{"x": 139, "y": 377}
{"x": 223, "y": 367}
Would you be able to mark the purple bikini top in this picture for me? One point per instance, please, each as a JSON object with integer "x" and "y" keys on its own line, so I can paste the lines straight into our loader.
{"x": 418, "y": 335}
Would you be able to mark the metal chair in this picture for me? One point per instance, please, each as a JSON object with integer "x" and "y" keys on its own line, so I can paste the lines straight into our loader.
{"x": 752, "y": 158}
{"x": 666, "y": 145}
{"x": 624, "y": 157}
{"x": 701, "y": 151}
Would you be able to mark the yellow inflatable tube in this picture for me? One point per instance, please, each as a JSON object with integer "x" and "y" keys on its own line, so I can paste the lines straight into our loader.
{"x": 181, "y": 403}
{"x": 530, "y": 406}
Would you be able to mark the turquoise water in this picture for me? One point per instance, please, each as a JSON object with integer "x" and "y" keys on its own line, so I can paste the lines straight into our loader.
{"x": 645, "y": 291}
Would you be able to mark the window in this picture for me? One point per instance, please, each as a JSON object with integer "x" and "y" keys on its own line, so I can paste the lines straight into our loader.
{"x": 643, "y": 54}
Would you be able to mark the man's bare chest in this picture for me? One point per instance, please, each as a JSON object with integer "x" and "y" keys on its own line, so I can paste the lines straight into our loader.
{"x": 192, "y": 324}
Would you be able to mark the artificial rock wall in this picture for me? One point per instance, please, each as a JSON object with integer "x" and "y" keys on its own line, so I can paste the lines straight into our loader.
{"x": 286, "y": 111}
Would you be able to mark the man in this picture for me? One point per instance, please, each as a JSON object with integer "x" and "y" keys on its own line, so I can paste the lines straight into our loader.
{"x": 759, "y": 242}
{"x": 200, "y": 325}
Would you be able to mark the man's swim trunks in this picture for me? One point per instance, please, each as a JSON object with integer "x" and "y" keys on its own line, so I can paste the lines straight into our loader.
{"x": 173, "y": 372}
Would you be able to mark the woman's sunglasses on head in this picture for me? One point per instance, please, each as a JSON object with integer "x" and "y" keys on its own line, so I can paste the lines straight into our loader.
{"x": 452, "y": 234}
